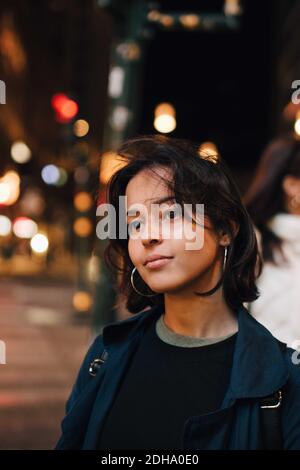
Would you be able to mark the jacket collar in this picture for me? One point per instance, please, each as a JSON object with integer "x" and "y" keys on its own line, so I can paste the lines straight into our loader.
{"x": 259, "y": 366}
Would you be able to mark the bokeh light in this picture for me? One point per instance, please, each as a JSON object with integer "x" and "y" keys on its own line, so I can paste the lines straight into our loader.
{"x": 297, "y": 124}
{"x": 4, "y": 193}
{"x": 20, "y": 152}
{"x": 5, "y": 226}
{"x": 83, "y": 201}
{"x": 23, "y": 227}
{"x": 65, "y": 108}
{"x": 50, "y": 174}
{"x": 81, "y": 127}
{"x": 39, "y": 243}
{"x": 165, "y": 118}
{"x": 83, "y": 227}
{"x": 32, "y": 202}
{"x": 82, "y": 301}
{"x": 189, "y": 21}
{"x": 9, "y": 188}
{"x": 63, "y": 177}
{"x": 81, "y": 175}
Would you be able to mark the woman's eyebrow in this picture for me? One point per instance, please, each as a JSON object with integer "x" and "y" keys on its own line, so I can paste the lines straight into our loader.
{"x": 132, "y": 212}
{"x": 164, "y": 199}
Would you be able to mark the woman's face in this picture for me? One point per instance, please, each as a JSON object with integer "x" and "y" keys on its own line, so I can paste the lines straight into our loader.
{"x": 186, "y": 268}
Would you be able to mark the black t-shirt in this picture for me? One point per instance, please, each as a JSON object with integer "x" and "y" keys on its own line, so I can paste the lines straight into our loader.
{"x": 163, "y": 387}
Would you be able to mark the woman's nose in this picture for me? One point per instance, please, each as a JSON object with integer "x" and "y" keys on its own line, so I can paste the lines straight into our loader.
{"x": 151, "y": 234}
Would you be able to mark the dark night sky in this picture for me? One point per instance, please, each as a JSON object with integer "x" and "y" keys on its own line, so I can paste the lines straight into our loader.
{"x": 220, "y": 84}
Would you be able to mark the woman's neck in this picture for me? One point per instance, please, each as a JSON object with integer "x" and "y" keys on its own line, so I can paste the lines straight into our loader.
{"x": 201, "y": 317}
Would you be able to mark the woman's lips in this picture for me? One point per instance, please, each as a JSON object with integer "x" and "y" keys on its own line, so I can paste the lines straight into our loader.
{"x": 158, "y": 263}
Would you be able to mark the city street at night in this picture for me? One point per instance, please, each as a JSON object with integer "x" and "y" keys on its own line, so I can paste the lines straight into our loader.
{"x": 44, "y": 348}
{"x": 149, "y": 198}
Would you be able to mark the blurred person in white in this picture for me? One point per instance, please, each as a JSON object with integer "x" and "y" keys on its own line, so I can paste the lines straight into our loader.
{"x": 273, "y": 201}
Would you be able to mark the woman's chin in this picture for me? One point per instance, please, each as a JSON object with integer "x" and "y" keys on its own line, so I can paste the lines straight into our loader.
{"x": 164, "y": 288}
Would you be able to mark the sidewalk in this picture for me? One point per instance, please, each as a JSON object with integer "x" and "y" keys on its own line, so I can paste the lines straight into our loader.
{"x": 44, "y": 348}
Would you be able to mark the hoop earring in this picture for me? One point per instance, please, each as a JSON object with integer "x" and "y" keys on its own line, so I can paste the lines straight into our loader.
{"x": 224, "y": 260}
{"x": 220, "y": 281}
{"x": 136, "y": 290}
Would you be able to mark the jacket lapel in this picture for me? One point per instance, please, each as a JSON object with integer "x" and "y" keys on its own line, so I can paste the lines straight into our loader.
{"x": 259, "y": 368}
{"x": 120, "y": 340}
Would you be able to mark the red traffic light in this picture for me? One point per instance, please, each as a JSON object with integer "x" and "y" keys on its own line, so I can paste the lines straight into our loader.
{"x": 65, "y": 108}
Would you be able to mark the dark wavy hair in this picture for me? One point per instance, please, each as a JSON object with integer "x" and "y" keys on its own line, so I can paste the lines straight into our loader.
{"x": 265, "y": 196}
{"x": 196, "y": 179}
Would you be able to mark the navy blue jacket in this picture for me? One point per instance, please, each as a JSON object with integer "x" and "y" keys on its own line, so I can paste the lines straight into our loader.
{"x": 260, "y": 368}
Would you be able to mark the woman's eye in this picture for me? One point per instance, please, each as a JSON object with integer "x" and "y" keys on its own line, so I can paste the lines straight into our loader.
{"x": 173, "y": 213}
{"x": 134, "y": 225}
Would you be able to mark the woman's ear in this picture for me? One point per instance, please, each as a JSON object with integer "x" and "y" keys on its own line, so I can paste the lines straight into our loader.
{"x": 226, "y": 238}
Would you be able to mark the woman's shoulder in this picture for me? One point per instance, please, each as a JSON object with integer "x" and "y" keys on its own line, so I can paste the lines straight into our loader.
{"x": 97, "y": 346}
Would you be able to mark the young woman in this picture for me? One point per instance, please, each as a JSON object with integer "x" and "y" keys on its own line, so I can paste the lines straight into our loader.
{"x": 191, "y": 369}
{"x": 273, "y": 201}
